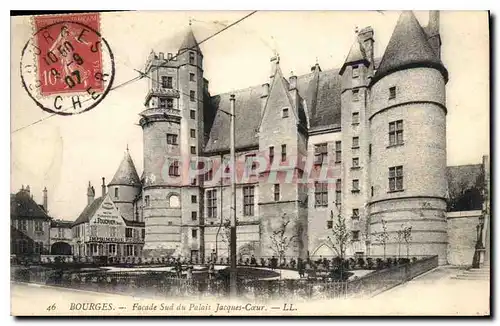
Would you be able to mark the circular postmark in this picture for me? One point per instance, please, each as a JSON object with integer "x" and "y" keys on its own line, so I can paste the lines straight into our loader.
{"x": 67, "y": 67}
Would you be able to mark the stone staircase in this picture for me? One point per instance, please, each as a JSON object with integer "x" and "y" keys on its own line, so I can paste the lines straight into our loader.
{"x": 478, "y": 274}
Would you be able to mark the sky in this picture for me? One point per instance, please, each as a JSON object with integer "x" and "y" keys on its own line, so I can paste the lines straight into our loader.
{"x": 64, "y": 153}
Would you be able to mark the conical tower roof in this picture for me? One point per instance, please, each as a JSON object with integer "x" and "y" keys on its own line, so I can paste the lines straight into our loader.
{"x": 126, "y": 173}
{"x": 407, "y": 48}
{"x": 356, "y": 54}
{"x": 190, "y": 42}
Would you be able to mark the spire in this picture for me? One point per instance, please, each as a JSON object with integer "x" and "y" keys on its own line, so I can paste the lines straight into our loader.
{"x": 45, "y": 200}
{"x": 126, "y": 173}
{"x": 90, "y": 194}
{"x": 356, "y": 54}
{"x": 190, "y": 42}
{"x": 408, "y": 47}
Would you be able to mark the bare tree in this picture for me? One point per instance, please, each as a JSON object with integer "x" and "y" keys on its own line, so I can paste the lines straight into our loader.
{"x": 383, "y": 236}
{"x": 407, "y": 239}
{"x": 280, "y": 242}
{"x": 226, "y": 234}
{"x": 340, "y": 237}
{"x": 400, "y": 239}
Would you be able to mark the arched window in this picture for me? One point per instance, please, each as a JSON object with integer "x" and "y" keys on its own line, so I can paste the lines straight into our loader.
{"x": 174, "y": 201}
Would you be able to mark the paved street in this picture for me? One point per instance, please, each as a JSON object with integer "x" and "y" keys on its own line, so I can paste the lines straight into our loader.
{"x": 434, "y": 293}
{"x": 437, "y": 293}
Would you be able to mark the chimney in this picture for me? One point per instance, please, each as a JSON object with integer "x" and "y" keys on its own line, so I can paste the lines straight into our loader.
{"x": 292, "y": 81}
{"x": 263, "y": 97}
{"x": 433, "y": 35}
{"x": 90, "y": 194}
{"x": 365, "y": 38}
{"x": 45, "y": 200}
{"x": 161, "y": 56}
{"x": 265, "y": 90}
{"x": 275, "y": 61}
{"x": 103, "y": 187}
{"x": 315, "y": 68}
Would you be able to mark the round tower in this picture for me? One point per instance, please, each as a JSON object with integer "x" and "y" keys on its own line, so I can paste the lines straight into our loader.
{"x": 124, "y": 187}
{"x": 172, "y": 136}
{"x": 407, "y": 155}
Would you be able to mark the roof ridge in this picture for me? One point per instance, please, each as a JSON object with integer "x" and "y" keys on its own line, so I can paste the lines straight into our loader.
{"x": 241, "y": 90}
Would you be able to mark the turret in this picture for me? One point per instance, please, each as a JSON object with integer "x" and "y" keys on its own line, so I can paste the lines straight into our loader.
{"x": 173, "y": 135}
{"x": 408, "y": 160}
{"x": 125, "y": 186}
{"x": 432, "y": 30}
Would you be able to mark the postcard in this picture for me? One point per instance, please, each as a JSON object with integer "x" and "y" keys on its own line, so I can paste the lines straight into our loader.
{"x": 249, "y": 163}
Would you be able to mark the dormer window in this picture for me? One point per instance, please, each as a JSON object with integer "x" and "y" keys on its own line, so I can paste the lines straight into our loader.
{"x": 355, "y": 71}
{"x": 284, "y": 113}
{"x": 392, "y": 92}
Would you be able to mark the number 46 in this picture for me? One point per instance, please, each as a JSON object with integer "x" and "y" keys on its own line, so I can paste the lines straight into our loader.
{"x": 52, "y": 307}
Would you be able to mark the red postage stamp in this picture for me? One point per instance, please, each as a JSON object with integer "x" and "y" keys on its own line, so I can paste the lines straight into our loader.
{"x": 73, "y": 58}
{"x": 67, "y": 67}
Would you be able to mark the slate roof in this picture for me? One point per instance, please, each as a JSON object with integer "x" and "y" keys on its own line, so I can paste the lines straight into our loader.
{"x": 408, "y": 47}
{"x": 465, "y": 183}
{"x": 247, "y": 119}
{"x": 356, "y": 54}
{"x": 89, "y": 211}
{"x": 322, "y": 94}
{"x": 127, "y": 212}
{"x": 126, "y": 173}
{"x": 190, "y": 42}
{"x": 319, "y": 90}
{"x": 23, "y": 206}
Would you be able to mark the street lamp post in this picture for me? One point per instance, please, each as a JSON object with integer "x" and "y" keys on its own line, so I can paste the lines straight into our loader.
{"x": 233, "y": 274}
{"x": 476, "y": 260}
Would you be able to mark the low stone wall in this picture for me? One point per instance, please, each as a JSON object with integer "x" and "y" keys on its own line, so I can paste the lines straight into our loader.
{"x": 385, "y": 279}
{"x": 462, "y": 236}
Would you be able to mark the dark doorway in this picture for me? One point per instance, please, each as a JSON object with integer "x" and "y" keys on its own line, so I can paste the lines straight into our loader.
{"x": 60, "y": 248}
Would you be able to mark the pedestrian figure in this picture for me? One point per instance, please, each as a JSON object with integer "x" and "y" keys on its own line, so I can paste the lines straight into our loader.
{"x": 274, "y": 263}
{"x": 301, "y": 267}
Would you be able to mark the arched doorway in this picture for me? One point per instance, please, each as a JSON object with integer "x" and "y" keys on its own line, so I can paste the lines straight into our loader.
{"x": 324, "y": 250}
{"x": 60, "y": 248}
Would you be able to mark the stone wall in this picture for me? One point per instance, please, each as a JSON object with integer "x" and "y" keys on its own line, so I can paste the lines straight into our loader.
{"x": 462, "y": 236}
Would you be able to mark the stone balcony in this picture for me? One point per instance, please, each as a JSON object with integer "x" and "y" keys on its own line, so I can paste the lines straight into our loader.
{"x": 156, "y": 114}
{"x": 162, "y": 92}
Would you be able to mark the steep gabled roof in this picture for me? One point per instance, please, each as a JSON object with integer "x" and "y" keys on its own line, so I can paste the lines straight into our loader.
{"x": 126, "y": 173}
{"x": 89, "y": 211}
{"x": 408, "y": 47}
{"x": 23, "y": 206}
{"x": 190, "y": 42}
{"x": 356, "y": 54}
{"x": 247, "y": 118}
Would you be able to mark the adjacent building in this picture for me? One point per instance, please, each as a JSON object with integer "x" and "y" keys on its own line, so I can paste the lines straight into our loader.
{"x": 29, "y": 224}
{"x": 109, "y": 226}
{"x": 61, "y": 237}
